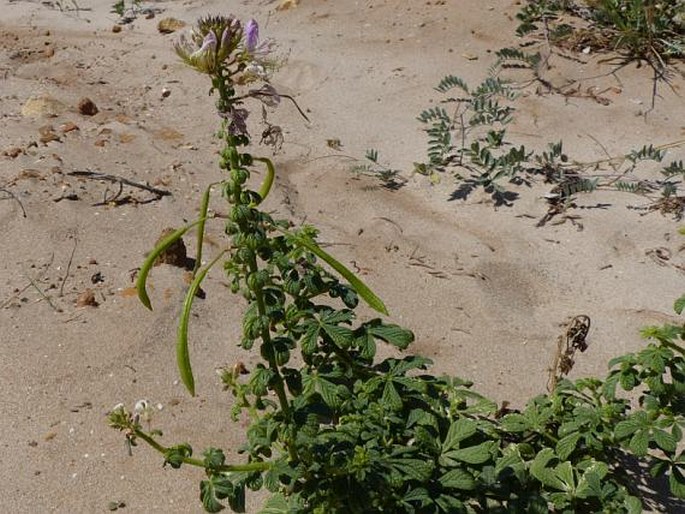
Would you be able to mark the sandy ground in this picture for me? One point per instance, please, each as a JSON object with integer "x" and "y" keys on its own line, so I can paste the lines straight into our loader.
{"x": 482, "y": 287}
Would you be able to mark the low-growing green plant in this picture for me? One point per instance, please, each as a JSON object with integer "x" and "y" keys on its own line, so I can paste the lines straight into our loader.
{"x": 647, "y": 30}
{"x": 467, "y": 139}
{"x": 471, "y": 137}
{"x": 389, "y": 177}
{"x": 332, "y": 429}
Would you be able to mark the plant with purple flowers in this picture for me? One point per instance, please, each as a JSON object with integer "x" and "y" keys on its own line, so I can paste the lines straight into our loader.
{"x": 337, "y": 431}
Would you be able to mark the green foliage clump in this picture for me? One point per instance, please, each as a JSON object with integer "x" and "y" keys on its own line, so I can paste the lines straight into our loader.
{"x": 333, "y": 429}
{"x": 650, "y": 30}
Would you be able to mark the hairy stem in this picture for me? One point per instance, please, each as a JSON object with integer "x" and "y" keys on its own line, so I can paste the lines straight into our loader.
{"x": 251, "y": 466}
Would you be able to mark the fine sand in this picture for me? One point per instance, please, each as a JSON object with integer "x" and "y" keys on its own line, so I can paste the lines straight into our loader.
{"x": 482, "y": 287}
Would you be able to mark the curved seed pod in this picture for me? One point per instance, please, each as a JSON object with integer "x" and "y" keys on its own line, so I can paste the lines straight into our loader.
{"x": 204, "y": 207}
{"x": 268, "y": 180}
{"x": 362, "y": 289}
{"x": 182, "y": 355}
{"x": 165, "y": 243}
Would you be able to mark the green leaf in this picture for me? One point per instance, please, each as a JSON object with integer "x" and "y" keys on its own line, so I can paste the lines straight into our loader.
{"x": 511, "y": 458}
{"x": 391, "y": 397}
{"x": 208, "y": 497}
{"x": 590, "y": 484}
{"x": 362, "y": 289}
{"x": 546, "y": 475}
{"x": 515, "y": 423}
{"x": 450, "y": 505}
{"x": 276, "y": 504}
{"x": 679, "y": 305}
{"x": 626, "y": 428}
{"x": 341, "y": 336}
{"x": 564, "y": 472}
{"x": 639, "y": 443}
{"x": 473, "y": 454}
{"x": 182, "y": 354}
{"x": 566, "y": 445}
{"x": 676, "y": 481}
{"x": 461, "y": 429}
{"x": 413, "y": 469}
{"x": 141, "y": 282}
{"x": 214, "y": 458}
{"x": 176, "y": 455}
{"x": 458, "y": 479}
{"x": 665, "y": 441}
{"x": 633, "y": 505}
{"x": 393, "y": 334}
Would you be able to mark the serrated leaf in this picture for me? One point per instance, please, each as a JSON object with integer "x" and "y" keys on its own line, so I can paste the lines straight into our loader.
{"x": 545, "y": 474}
{"x": 567, "y": 444}
{"x": 414, "y": 469}
{"x": 213, "y": 458}
{"x": 676, "y": 481}
{"x": 515, "y": 423}
{"x": 633, "y": 505}
{"x": 639, "y": 443}
{"x": 625, "y": 428}
{"x": 473, "y": 454}
{"x": 461, "y": 429}
{"x": 665, "y": 441}
{"x": 209, "y": 497}
{"x": 511, "y": 458}
{"x": 393, "y": 334}
{"x": 564, "y": 472}
{"x": 276, "y": 504}
{"x": 391, "y": 397}
{"x": 590, "y": 484}
{"x": 458, "y": 479}
{"x": 341, "y": 336}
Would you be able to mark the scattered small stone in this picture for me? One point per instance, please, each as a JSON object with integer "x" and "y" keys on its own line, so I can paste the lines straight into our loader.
{"x": 47, "y": 134}
{"x": 50, "y": 436}
{"x": 49, "y": 51}
{"x": 92, "y": 260}
{"x": 33, "y": 444}
{"x": 287, "y": 4}
{"x": 87, "y": 107}
{"x": 166, "y": 92}
{"x": 169, "y": 25}
{"x": 43, "y": 106}
{"x": 116, "y": 29}
{"x": 68, "y": 126}
{"x": 87, "y": 299}
{"x": 12, "y": 152}
{"x": 112, "y": 506}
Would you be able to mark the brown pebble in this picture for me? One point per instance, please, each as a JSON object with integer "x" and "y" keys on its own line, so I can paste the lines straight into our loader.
{"x": 169, "y": 25}
{"x": 49, "y": 51}
{"x": 92, "y": 260}
{"x": 47, "y": 134}
{"x": 12, "y": 152}
{"x": 116, "y": 29}
{"x": 68, "y": 126}
{"x": 87, "y": 107}
{"x": 87, "y": 299}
